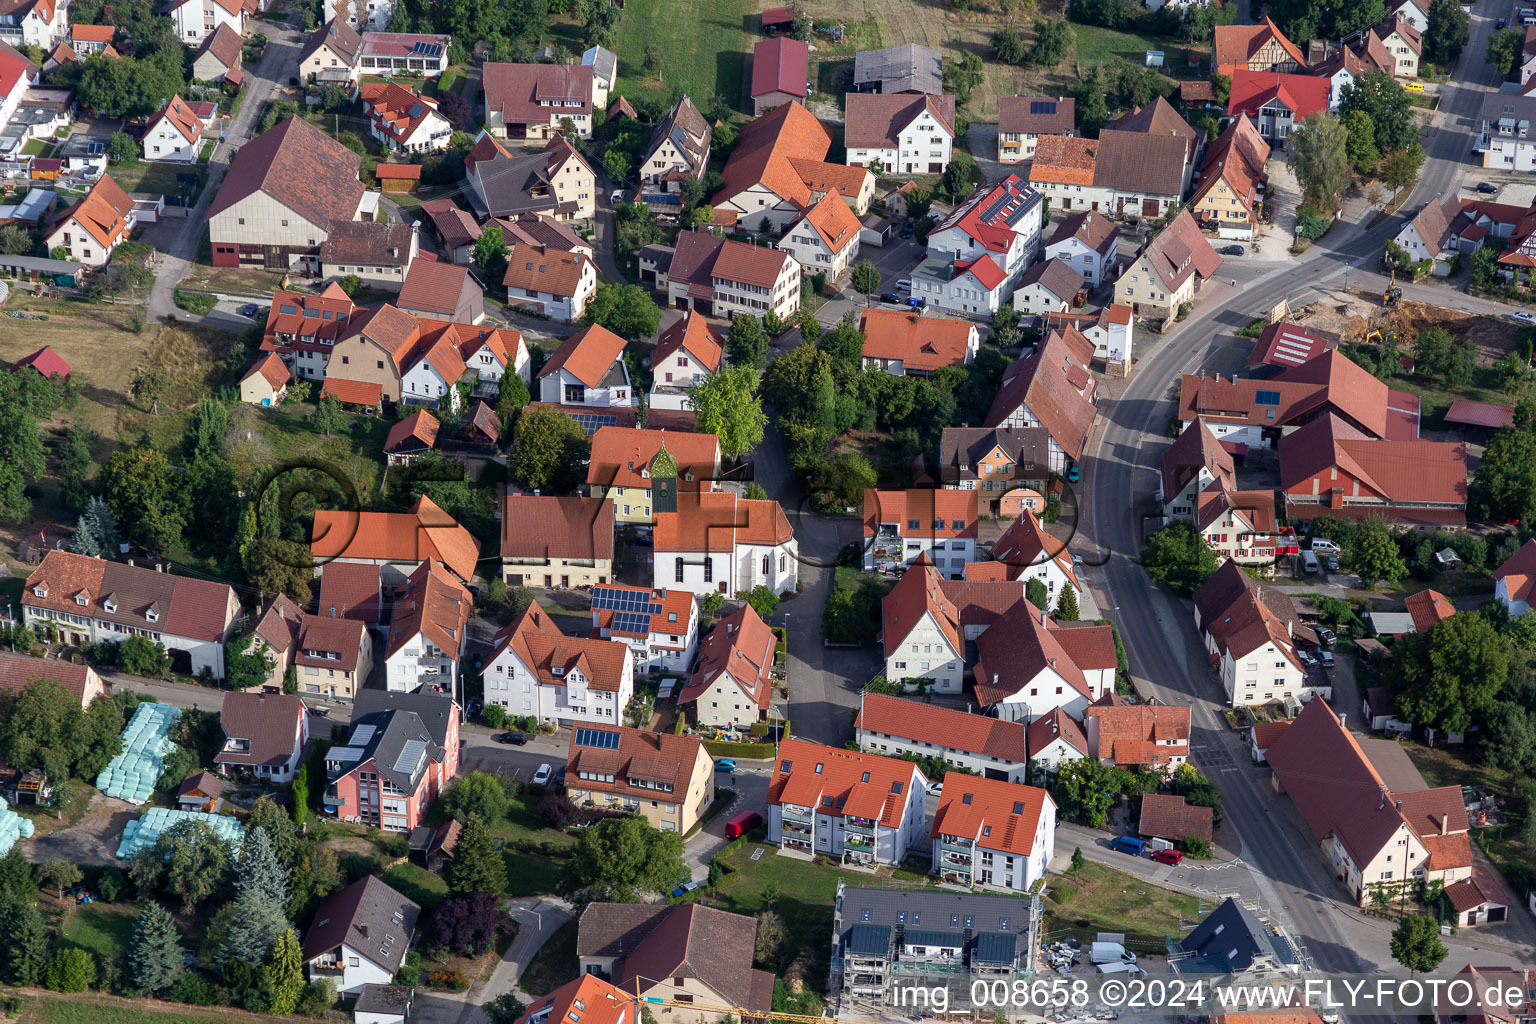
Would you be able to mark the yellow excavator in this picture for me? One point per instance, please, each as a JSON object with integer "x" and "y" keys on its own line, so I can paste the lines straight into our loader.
{"x": 1393, "y": 293}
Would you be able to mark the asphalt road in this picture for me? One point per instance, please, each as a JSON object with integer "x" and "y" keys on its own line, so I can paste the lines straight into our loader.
{"x": 1285, "y": 871}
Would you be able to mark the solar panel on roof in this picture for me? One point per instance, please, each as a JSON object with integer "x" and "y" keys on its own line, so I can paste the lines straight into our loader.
{"x": 410, "y": 755}
{"x": 426, "y": 49}
{"x": 591, "y": 421}
{"x": 1266, "y": 397}
{"x": 362, "y": 734}
{"x": 1042, "y": 106}
{"x": 599, "y": 738}
{"x": 631, "y": 622}
{"x": 343, "y": 753}
{"x": 997, "y": 204}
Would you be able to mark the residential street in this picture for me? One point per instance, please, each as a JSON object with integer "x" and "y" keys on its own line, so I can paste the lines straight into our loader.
{"x": 1284, "y": 871}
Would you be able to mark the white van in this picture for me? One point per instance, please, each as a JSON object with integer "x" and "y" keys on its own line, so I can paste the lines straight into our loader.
{"x": 1324, "y": 546}
{"x": 1309, "y": 564}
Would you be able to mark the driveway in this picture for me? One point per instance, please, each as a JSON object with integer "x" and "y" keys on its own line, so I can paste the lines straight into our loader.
{"x": 91, "y": 840}
{"x": 537, "y": 919}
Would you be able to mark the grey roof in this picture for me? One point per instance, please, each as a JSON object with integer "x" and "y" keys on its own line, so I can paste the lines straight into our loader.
{"x": 508, "y": 184}
{"x": 1505, "y": 107}
{"x": 83, "y": 145}
{"x": 383, "y": 999}
{"x": 923, "y": 937}
{"x": 689, "y": 131}
{"x": 393, "y": 731}
{"x": 433, "y": 709}
{"x": 603, "y": 63}
{"x": 996, "y": 947}
{"x": 369, "y": 917}
{"x": 343, "y": 38}
{"x": 1232, "y": 933}
{"x": 1027, "y": 446}
{"x": 41, "y": 264}
{"x": 1056, "y": 276}
{"x": 905, "y": 68}
{"x": 868, "y": 940}
{"x": 934, "y": 911}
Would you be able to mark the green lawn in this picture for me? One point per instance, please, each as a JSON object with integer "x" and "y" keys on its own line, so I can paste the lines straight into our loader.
{"x": 704, "y": 46}
{"x": 418, "y": 883}
{"x": 95, "y": 1008}
{"x": 105, "y": 929}
{"x": 36, "y": 147}
{"x": 554, "y": 964}
{"x": 288, "y": 435}
{"x": 1097, "y": 45}
{"x": 1098, "y": 897}
{"x": 159, "y": 178}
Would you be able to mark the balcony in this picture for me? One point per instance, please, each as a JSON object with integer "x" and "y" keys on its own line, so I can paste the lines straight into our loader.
{"x": 966, "y": 848}
{"x": 951, "y": 859}
{"x": 803, "y": 845}
{"x": 859, "y": 826}
{"x": 855, "y": 841}
{"x": 326, "y": 970}
{"x": 798, "y": 815}
{"x": 795, "y": 828}
{"x": 953, "y": 877}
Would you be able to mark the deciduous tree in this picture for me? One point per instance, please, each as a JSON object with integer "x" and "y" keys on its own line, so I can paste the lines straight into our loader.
{"x": 1053, "y": 40}
{"x": 1504, "y": 49}
{"x": 548, "y": 452}
{"x": 476, "y": 793}
{"x": 727, "y": 404}
{"x": 1450, "y": 676}
{"x": 469, "y": 925}
{"x": 1375, "y": 555}
{"x": 1377, "y": 94}
{"x": 1179, "y": 557}
{"x": 1320, "y": 159}
{"x": 621, "y": 856}
{"x": 1416, "y": 943}
{"x": 1447, "y": 34}
{"x": 625, "y": 309}
{"x": 747, "y": 343}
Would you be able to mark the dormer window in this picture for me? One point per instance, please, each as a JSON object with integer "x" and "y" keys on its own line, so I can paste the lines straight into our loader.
{"x": 41, "y": 590}
{"x": 151, "y": 616}
{"x": 110, "y": 605}
{"x": 82, "y": 600}
{"x": 557, "y": 671}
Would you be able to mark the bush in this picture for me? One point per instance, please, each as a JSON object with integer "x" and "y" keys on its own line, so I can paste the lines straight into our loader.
{"x": 71, "y": 970}
{"x": 447, "y": 978}
{"x": 196, "y": 303}
{"x": 558, "y": 810}
{"x": 319, "y": 996}
{"x": 494, "y": 715}
{"x": 194, "y": 989}
{"x": 410, "y": 971}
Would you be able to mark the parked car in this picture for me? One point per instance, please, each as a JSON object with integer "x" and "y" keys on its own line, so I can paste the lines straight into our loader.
{"x": 889, "y": 297}
{"x": 1307, "y": 661}
{"x": 906, "y": 232}
{"x": 1168, "y": 857}
{"x": 516, "y": 738}
{"x": 542, "y": 776}
{"x": 1325, "y": 635}
{"x": 904, "y": 285}
{"x": 1128, "y": 844}
{"x": 1231, "y": 250}
{"x": 1524, "y": 317}
{"x": 936, "y": 788}
{"x": 616, "y": 196}
{"x": 1501, "y": 23}
{"x": 683, "y": 887}
{"x": 1488, "y": 188}
{"x": 742, "y": 823}
{"x": 725, "y": 764}
{"x": 560, "y": 776}
{"x": 250, "y": 309}
{"x": 1326, "y": 656}
{"x": 1324, "y": 546}
{"x": 1331, "y": 562}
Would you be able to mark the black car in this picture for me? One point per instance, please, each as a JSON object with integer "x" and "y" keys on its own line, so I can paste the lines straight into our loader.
{"x": 906, "y": 232}
{"x": 1487, "y": 188}
{"x": 519, "y": 738}
{"x": 1231, "y": 250}
{"x": 890, "y": 297}
{"x": 1325, "y": 635}
{"x": 1501, "y": 23}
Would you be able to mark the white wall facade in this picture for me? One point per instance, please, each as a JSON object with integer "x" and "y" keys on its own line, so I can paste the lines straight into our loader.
{"x": 196, "y": 20}
{"x": 1516, "y": 607}
{"x": 259, "y": 219}
{"x": 925, "y": 653}
{"x": 356, "y": 971}
{"x": 874, "y": 742}
{"x": 1077, "y": 255}
{"x": 1042, "y": 694}
{"x": 82, "y": 245}
{"x": 513, "y": 685}
{"x": 730, "y": 574}
{"x": 924, "y": 146}
{"x": 552, "y": 388}
{"x": 165, "y": 142}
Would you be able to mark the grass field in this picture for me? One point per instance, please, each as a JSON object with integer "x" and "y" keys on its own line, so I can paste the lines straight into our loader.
{"x": 95, "y": 1008}
{"x": 105, "y": 929}
{"x": 704, "y": 46}
{"x": 418, "y": 883}
{"x": 554, "y": 964}
{"x": 1099, "y": 897}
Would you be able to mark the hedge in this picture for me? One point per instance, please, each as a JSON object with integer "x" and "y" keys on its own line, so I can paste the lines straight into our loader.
{"x": 726, "y": 748}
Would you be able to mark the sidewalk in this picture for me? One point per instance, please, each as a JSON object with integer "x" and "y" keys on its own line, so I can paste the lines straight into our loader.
{"x": 537, "y": 918}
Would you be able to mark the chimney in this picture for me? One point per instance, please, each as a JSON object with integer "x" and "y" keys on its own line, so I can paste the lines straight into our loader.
{"x": 1399, "y": 805}
{"x": 1053, "y": 663}
{"x": 1445, "y": 824}
{"x": 1343, "y": 723}
{"x": 1042, "y": 616}
{"x": 994, "y": 678}
{"x": 130, "y": 563}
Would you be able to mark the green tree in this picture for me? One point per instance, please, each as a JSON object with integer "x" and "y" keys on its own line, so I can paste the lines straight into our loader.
{"x": 511, "y": 395}
{"x": 27, "y": 936}
{"x": 1178, "y": 557}
{"x": 301, "y": 795}
{"x": 277, "y": 566}
{"x": 154, "y": 957}
{"x": 1317, "y": 19}
{"x": 1375, "y": 555}
{"x": 1360, "y": 143}
{"x": 1085, "y": 790}
{"x": 96, "y": 531}
{"x": 16, "y": 878}
{"x": 197, "y": 861}
{"x": 549, "y": 451}
{"x": 1400, "y": 167}
{"x": 1008, "y": 45}
{"x": 71, "y": 970}
{"x": 1319, "y": 157}
{"x": 1504, "y": 486}
{"x": 747, "y": 343}
{"x": 1504, "y": 49}
{"x": 59, "y": 875}
{"x": 283, "y": 978}
{"x": 507, "y": 1008}
{"x": 1036, "y": 594}
{"x": 962, "y": 174}
{"x": 259, "y": 909}
{"x": 1379, "y": 96}
{"x": 1078, "y": 860}
{"x": 625, "y": 309}
{"x": 1416, "y": 943}
{"x": 490, "y": 253}
{"x": 727, "y": 404}
{"x": 1439, "y": 356}
{"x": 650, "y": 61}
{"x": 964, "y": 74}
{"x": 141, "y": 656}
{"x": 1447, "y": 34}
{"x": 1054, "y": 39}
{"x": 476, "y": 793}
{"x": 1508, "y": 740}
{"x": 617, "y": 857}
{"x": 269, "y": 816}
{"x": 14, "y": 240}
{"x": 476, "y": 866}
{"x": 1066, "y": 607}
{"x": 844, "y": 348}
{"x": 144, "y": 494}
{"x": 763, "y": 601}
{"x": 329, "y": 417}
{"x": 866, "y": 278}
{"x": 1450, "y": 676}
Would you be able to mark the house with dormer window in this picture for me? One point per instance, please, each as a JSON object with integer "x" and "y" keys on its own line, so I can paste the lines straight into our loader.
{"x": 857, "y": 808}
{"x": 264, "y": 735}
{"x": 534, "y": 669}
{"x": 530, "y": 101}
{"x": 667, "y": 780}
{"x": 90, "y": 600}
{"x": 992, "y": 834}
{"x": 587, "y": 369}
{"x": 901, "y": 526}
{"x": 732, "y": 684}
{"x": 661, "y": 627}
{"x": 360, "y": 936}
{"x": 428, "y": 632}
{"x": 687, "y": 354}
{"x": 401, "y": 754}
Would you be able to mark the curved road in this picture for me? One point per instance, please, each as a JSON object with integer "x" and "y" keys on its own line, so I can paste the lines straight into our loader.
{"x": 1167, "y": 660}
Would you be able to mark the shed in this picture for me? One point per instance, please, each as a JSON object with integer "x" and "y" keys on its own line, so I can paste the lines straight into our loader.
{"x": 433, "y": 847}
{"x": 1391, "y": 623}
{"x": 34, "y": 268}
{"x": 876, "y": 230}
{"x": 1479, "y": 899}
{"x": 200, "y": 792}
{"x": 1479, "y": 416}
{"x": 383, "y": 1004}
{"x": 45, "y": 361}
{"x": 398, "y": 177}
{"x": 778, "y": 19}
{"x": 483, "y": 426}
{"x": 1166, "y": 816}
{"x": 46, "y": 168}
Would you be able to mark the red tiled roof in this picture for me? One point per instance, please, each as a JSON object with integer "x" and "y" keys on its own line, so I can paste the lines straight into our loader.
{"x": 765, "y": 152}
{"x": 876, "y": 121}
{"x": 1285, "y": 345}
{"x": 433, "y": 604}
{"x": 1090, "y": 227}
{"x": 998, "y": 815}
{"x": 1408, "y": 472}
{"x": 92, "y": 33}
{"x": 648, "y": 756}
{"x": 740, "y": 646}
{"x": 395, "y": 110}
{"x": 416, "y": 432}
{"x": 923, "y": 343}
{"x": 1480, "y": 890}
{"x": 180, "y": 114}
{"x": 1138, "y": 734}
{"x": 17, "y": 672}
{"x": 936, "y": 513}
{"x": 1180, "y": 250}
{"x": 1235, "y": 44}
{"x": 589, "y": 999}
{"x": 622, "y": 457}
{"x": 425, "y": 532}
{"x": 832, "y": 781}
{"x": 47, "y": 362}
{"x": 943, "y": 727}
{"x": 1027, "y": 543}
{"x": 300, "y": 167}
{"x": 716, "y": 521}
{"x": 586, "y": 355}
{"x": 517, "y": 90}
{"x": 352, "y": 392}
{"x": 833, "y": 222}
{"x": 550, "y": 526}
{"x": 1427, "y": 608}
{"x": 1090, "y": 645}
{"x": 919, "y": 591}
{"x": 1016, "y": 649}
{"x": 1303, "y": 95}
{"x": 1064, "y": 159}
{"x": 103, "y": 212}
{"x": 1266, "y": 733}
{"x": 1479, "y": 414}
{"x": 1040, "y": 380}
{"x": 1035, "y": 115}
{"x": 693, "y": 335}
{"x": 780, "y": 65}
{"x": 399, "y": 172}
{"x": 1166, "y": 816}
{"x": 183, "y": 606}
{"x": 601, "y": 662}
{"x": 272, "y": 369}
{"x": 1519, "y": 572}
{"x": 1196, "y": 448}
{"x": 1056, "y": 725}
{"x": 350, "y": 590}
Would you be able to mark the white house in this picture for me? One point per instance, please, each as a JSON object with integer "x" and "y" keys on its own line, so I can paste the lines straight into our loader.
{"x": 1413, "y": 14}
{"x": 40, "y": 23}
{"x": 903, "y": 526}
{"x": 175, "y": 134}
{"x": 264, "y": 734}
{"x": 534, "y": 669}
{"x": 856, "y": 808}
{"x": 489, "y": 352}
{"x": 1248, "y": 631}
{"x": 1032, "y": 554}
{"x": 428, "y": 631}
{"x": 1086, "y": 242}
{"x": 922, "y": 636}
{"x": 360, "y": 936}
{"x": 587, "y": 369}
{"x": 1001, "y": 221}
{"x": 1050, "y": 286}
{"x": 826, "y": 239}
{"x": 94, "y": 225}
{"x": 979, "y": 744}
{"x": 1404, "y": 42}
{"x": 993, "y": 833}
{"x": 90, "y": 601}
{"x": 719, "y": 542}
{"x": 686, "y": 354}
{"x": 196, "y": 20}
{"x": 976, "y": 288}
{"x": 548, "y": 281}
{"x": 1507, "y": 141}
{"x": 1027, "y": 666}
{"x": 1428, "y": 233}
{"x": 661, "y": 627}
{"x": 906, "y": 134}
{"x": 732, "y": 685}
{"x": 431, "y": 379}
{"x": 403, "y": 120}
{"x": 1196, "y": 460}
{"x": 1110, "y": 329}
{"x": 1055, "y": 739}
{"x": 1515, "y": 580}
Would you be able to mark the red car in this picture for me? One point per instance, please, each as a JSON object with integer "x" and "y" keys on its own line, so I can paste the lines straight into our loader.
{"x": 1173, "y": 857}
